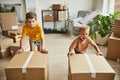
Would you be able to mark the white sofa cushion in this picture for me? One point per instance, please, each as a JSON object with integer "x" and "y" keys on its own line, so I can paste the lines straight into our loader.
{"x": 76, "y": 22}
{"x": 88, "y": 18}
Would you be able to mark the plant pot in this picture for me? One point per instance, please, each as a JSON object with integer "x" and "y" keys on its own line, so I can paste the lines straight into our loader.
{"x": 101, "y": 40}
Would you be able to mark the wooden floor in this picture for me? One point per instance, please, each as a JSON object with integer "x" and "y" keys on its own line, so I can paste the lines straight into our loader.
{"x": 57, "y": 45}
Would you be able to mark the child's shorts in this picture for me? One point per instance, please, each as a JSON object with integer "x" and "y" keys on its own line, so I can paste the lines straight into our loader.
{"x": 35, "y": 43}
{"x": 77, "y": 52}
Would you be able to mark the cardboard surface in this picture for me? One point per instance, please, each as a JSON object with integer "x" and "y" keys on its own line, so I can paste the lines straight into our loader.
{"x": 57, "y": 7}
{"x": 9, "y": 21}
{"x": 5, "y": 43}
{"x": 62, "y": 15}
{"x": 113, "y": 50}
{"x": 49, "y": 18}
{"x": 16, "y": 38}
{"x": 81, "y": 69}
{"x": 117, "y": 28}
{"x": 36, "y": 69}
{"x": 16, "y": 46}
{"x": 16, "y": 32}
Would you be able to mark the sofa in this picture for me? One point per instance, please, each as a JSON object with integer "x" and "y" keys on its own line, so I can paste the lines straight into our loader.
{"x": 83, "y": 18}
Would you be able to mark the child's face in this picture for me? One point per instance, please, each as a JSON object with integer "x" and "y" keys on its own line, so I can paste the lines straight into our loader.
{"x": 31, "y": 22}
{"x": 84, "y": 34}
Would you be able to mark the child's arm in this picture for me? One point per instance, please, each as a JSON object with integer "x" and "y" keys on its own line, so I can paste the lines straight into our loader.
{"x": 72, "y": 46}
{"x": 43, "y": 50}
{"x": 42, "y": 46}
{"x": 21, "y": 40}
{"x": 96, "y": 47}
{"x": 21, "y": 46}
{"x": 42, "y": 43}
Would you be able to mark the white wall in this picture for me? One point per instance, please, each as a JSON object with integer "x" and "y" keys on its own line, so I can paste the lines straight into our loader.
{"x": 111, "y": 6}
{"x": 99, "y": 5}
{"x": 105, "y": 6}
{"x": 30, "y": 5}
{"x": 74, "y": 5}
{"x": 10, "y": 1}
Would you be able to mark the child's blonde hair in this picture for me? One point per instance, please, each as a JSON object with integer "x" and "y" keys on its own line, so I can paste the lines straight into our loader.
{"x": 84, "y": 27}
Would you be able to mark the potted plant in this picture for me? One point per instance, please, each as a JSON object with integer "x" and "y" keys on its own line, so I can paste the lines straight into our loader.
{"x": 101, "y": 26}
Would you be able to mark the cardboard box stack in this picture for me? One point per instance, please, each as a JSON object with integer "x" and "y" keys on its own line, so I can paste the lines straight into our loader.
{"x": 14, "y": 34}
{"x": 89, "y": 67}
{"x": 9, "y": 21}
{"x": 17, "y": 31}
{"x": 113, "y": 49}
{"x": 5, "y": 43}
{"x": 28, "y": 66}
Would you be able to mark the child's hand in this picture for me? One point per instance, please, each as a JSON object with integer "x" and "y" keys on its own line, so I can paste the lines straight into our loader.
{"x": 44, "y": 51}
{"x": 69, "y": 54}
{"x": 100, "y": 53}
{"x": 19, "y": 51}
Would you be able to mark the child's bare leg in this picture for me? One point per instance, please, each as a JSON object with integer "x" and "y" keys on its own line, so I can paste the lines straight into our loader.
{"x": 39, "y": 48}
{"x": 32, "y": 47}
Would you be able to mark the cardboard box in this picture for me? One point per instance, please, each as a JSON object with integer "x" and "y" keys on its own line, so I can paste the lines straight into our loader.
{"x": 16, "y": 38}
{"x": 113, "y": 49}
{"x": 17, "y": 31}
{"x": 65, "y": 7}
{"x": 57, "y": 7}
{"x": 89, "y": 67}
{"x": 21, "y": 24}
{"x": 16, "y": 46}
{"x": 14, "y": 34}
{"x": 62, "y": 15}
{"x": 28, "y": 66}
{"x": 117, "y": 27}
{"x": 5, "y": 43}
{"x": 9, "y": 21}
{"x": 49, "y": 18}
